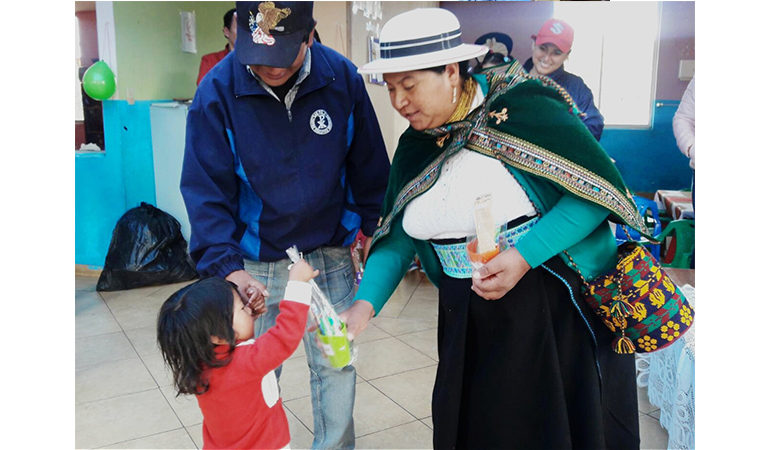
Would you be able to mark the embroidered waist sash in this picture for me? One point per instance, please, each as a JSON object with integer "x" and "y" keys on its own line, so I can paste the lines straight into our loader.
{"x": 454, "y": 257}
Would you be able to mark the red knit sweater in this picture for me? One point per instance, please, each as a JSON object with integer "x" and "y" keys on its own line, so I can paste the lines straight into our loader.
{"x": 242, "y": 408}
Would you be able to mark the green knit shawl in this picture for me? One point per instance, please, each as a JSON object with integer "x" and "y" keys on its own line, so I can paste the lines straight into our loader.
{"x": 529, "y": 123}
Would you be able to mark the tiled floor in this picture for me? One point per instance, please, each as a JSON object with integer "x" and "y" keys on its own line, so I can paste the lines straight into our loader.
{"x": 124, "y": 395}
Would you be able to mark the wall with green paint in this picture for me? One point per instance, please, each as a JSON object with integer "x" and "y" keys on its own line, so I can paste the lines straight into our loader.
{"x": 148, "y": 44}
{"x": 150, "y": 62}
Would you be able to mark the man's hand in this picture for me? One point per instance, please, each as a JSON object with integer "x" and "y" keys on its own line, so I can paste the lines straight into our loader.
{"x": 499, "y": 275}
{"x": 250, "y": 289}
{"x": 357, "y": 317}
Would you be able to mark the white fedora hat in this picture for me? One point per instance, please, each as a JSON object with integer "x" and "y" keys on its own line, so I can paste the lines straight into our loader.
{"x": 419, "y": 39}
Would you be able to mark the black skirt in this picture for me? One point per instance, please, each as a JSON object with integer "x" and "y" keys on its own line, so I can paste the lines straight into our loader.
{"x": 532, "y": 370}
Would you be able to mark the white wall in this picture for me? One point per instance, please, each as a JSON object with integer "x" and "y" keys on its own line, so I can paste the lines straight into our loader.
{"x": 332, "y": 25}
{"x": 391, "y": 123}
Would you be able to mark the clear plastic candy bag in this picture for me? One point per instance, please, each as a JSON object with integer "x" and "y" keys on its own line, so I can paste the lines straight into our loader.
{"x": 489, "y": 239}
{"x": 331, "y": 333}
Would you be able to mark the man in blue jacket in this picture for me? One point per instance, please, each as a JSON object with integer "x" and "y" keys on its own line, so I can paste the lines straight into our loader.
{"x": 551, "y": 46}
{"x": 283, "y": 148}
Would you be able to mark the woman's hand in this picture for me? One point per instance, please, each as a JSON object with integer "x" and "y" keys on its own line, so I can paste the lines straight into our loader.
{"x": 499, "y": 275}
{"x": 357, "y": 317}
{"x": 250, "y": 289}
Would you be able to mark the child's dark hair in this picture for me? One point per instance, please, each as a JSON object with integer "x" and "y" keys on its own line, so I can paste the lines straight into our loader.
{"x": 186, "y": 322}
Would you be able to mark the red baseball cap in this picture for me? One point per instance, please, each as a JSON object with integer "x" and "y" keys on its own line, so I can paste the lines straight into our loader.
{"x": 556, "y": 32}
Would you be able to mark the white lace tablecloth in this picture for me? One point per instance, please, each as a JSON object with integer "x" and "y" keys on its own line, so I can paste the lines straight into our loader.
{"x": 669, "y": 375}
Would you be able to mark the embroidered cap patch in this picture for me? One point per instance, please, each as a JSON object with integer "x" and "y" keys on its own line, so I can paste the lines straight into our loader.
{"x": 557, "y": 28}
{"x": 266, "y": 20}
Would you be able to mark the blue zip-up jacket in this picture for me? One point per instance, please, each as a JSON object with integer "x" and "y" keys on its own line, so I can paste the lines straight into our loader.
{"x": 258, "y": 178}
{"x": 581, "y": 95}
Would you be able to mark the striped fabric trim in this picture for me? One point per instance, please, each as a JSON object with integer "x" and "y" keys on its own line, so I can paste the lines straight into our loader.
{"x": 499, "y": 82}
{"x": 420, "y": 46}
{"x": 479, "y": 138}
{"x": 537, "y": 160}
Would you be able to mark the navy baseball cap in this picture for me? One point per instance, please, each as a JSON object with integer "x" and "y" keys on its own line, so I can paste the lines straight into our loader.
{"x": 270, "y": 33}
{"x": 497, "y": 42}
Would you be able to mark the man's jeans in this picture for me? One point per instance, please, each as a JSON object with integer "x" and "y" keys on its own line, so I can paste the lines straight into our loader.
{"x": 332, "y": 390}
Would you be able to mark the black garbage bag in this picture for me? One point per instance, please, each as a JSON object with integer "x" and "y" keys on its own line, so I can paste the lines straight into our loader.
{"x": 147, "y": 249}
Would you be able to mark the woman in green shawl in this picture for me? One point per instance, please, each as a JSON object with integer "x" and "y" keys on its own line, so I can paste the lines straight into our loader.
{"x": 523, "y": 363}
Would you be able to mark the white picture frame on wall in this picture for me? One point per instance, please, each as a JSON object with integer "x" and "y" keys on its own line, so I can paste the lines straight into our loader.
{"x": 372, "y": 54}
{"x": 188, "y": 31}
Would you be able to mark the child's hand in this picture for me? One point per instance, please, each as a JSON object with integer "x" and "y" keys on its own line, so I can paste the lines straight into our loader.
{"x": 302, "y": 271}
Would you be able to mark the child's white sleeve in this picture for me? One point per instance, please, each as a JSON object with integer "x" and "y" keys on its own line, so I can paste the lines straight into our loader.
{"x": 298, "y": 291}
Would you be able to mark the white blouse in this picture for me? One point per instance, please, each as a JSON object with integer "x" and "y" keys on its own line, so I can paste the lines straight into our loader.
{"x": 446, "y": 209}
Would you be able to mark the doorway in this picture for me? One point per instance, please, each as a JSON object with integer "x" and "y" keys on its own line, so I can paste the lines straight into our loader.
{"x": 89, "y": 124}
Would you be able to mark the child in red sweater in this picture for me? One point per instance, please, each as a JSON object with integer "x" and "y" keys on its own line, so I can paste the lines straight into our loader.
{"x": 205, "y": 333}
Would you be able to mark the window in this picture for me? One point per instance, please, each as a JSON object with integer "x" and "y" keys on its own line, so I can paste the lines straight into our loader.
{"x": 615, "y": 52}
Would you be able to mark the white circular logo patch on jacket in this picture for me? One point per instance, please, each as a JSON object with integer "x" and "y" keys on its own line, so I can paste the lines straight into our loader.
{"x": 320, "y": 122}
{"x": 270, "y": 389}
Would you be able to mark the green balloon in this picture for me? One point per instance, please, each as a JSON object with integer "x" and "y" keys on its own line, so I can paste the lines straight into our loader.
{"x": 99, "y": 81}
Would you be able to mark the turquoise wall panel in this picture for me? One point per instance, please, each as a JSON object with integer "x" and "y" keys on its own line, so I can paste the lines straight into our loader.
{"x": 110, "y": 183}
{"x": 133, "y": 124}
{"x": 99, "y": 203}
{"x": 99, "y": 194}
{"x": 649, "y": 159}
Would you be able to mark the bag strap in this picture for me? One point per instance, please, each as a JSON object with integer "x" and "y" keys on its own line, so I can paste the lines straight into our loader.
{"x": 577, "y": 269}
{"x": 616, "y": 276}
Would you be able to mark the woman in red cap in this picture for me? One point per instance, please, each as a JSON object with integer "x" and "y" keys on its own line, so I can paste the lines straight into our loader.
{"x": 551, "y": 46}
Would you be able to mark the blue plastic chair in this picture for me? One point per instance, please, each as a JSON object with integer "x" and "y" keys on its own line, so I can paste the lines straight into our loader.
{"x": 648, "y": 209}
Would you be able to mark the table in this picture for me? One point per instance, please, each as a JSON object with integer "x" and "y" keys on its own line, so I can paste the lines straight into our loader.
{"x": 669, "y": 375}
{"x": 676, "y": 204}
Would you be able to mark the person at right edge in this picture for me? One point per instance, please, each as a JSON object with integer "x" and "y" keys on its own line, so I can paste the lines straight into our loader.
{"x": 524, "y": 363}
{"x": 551, "y": 46}
{"x": 684, "y": 128}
